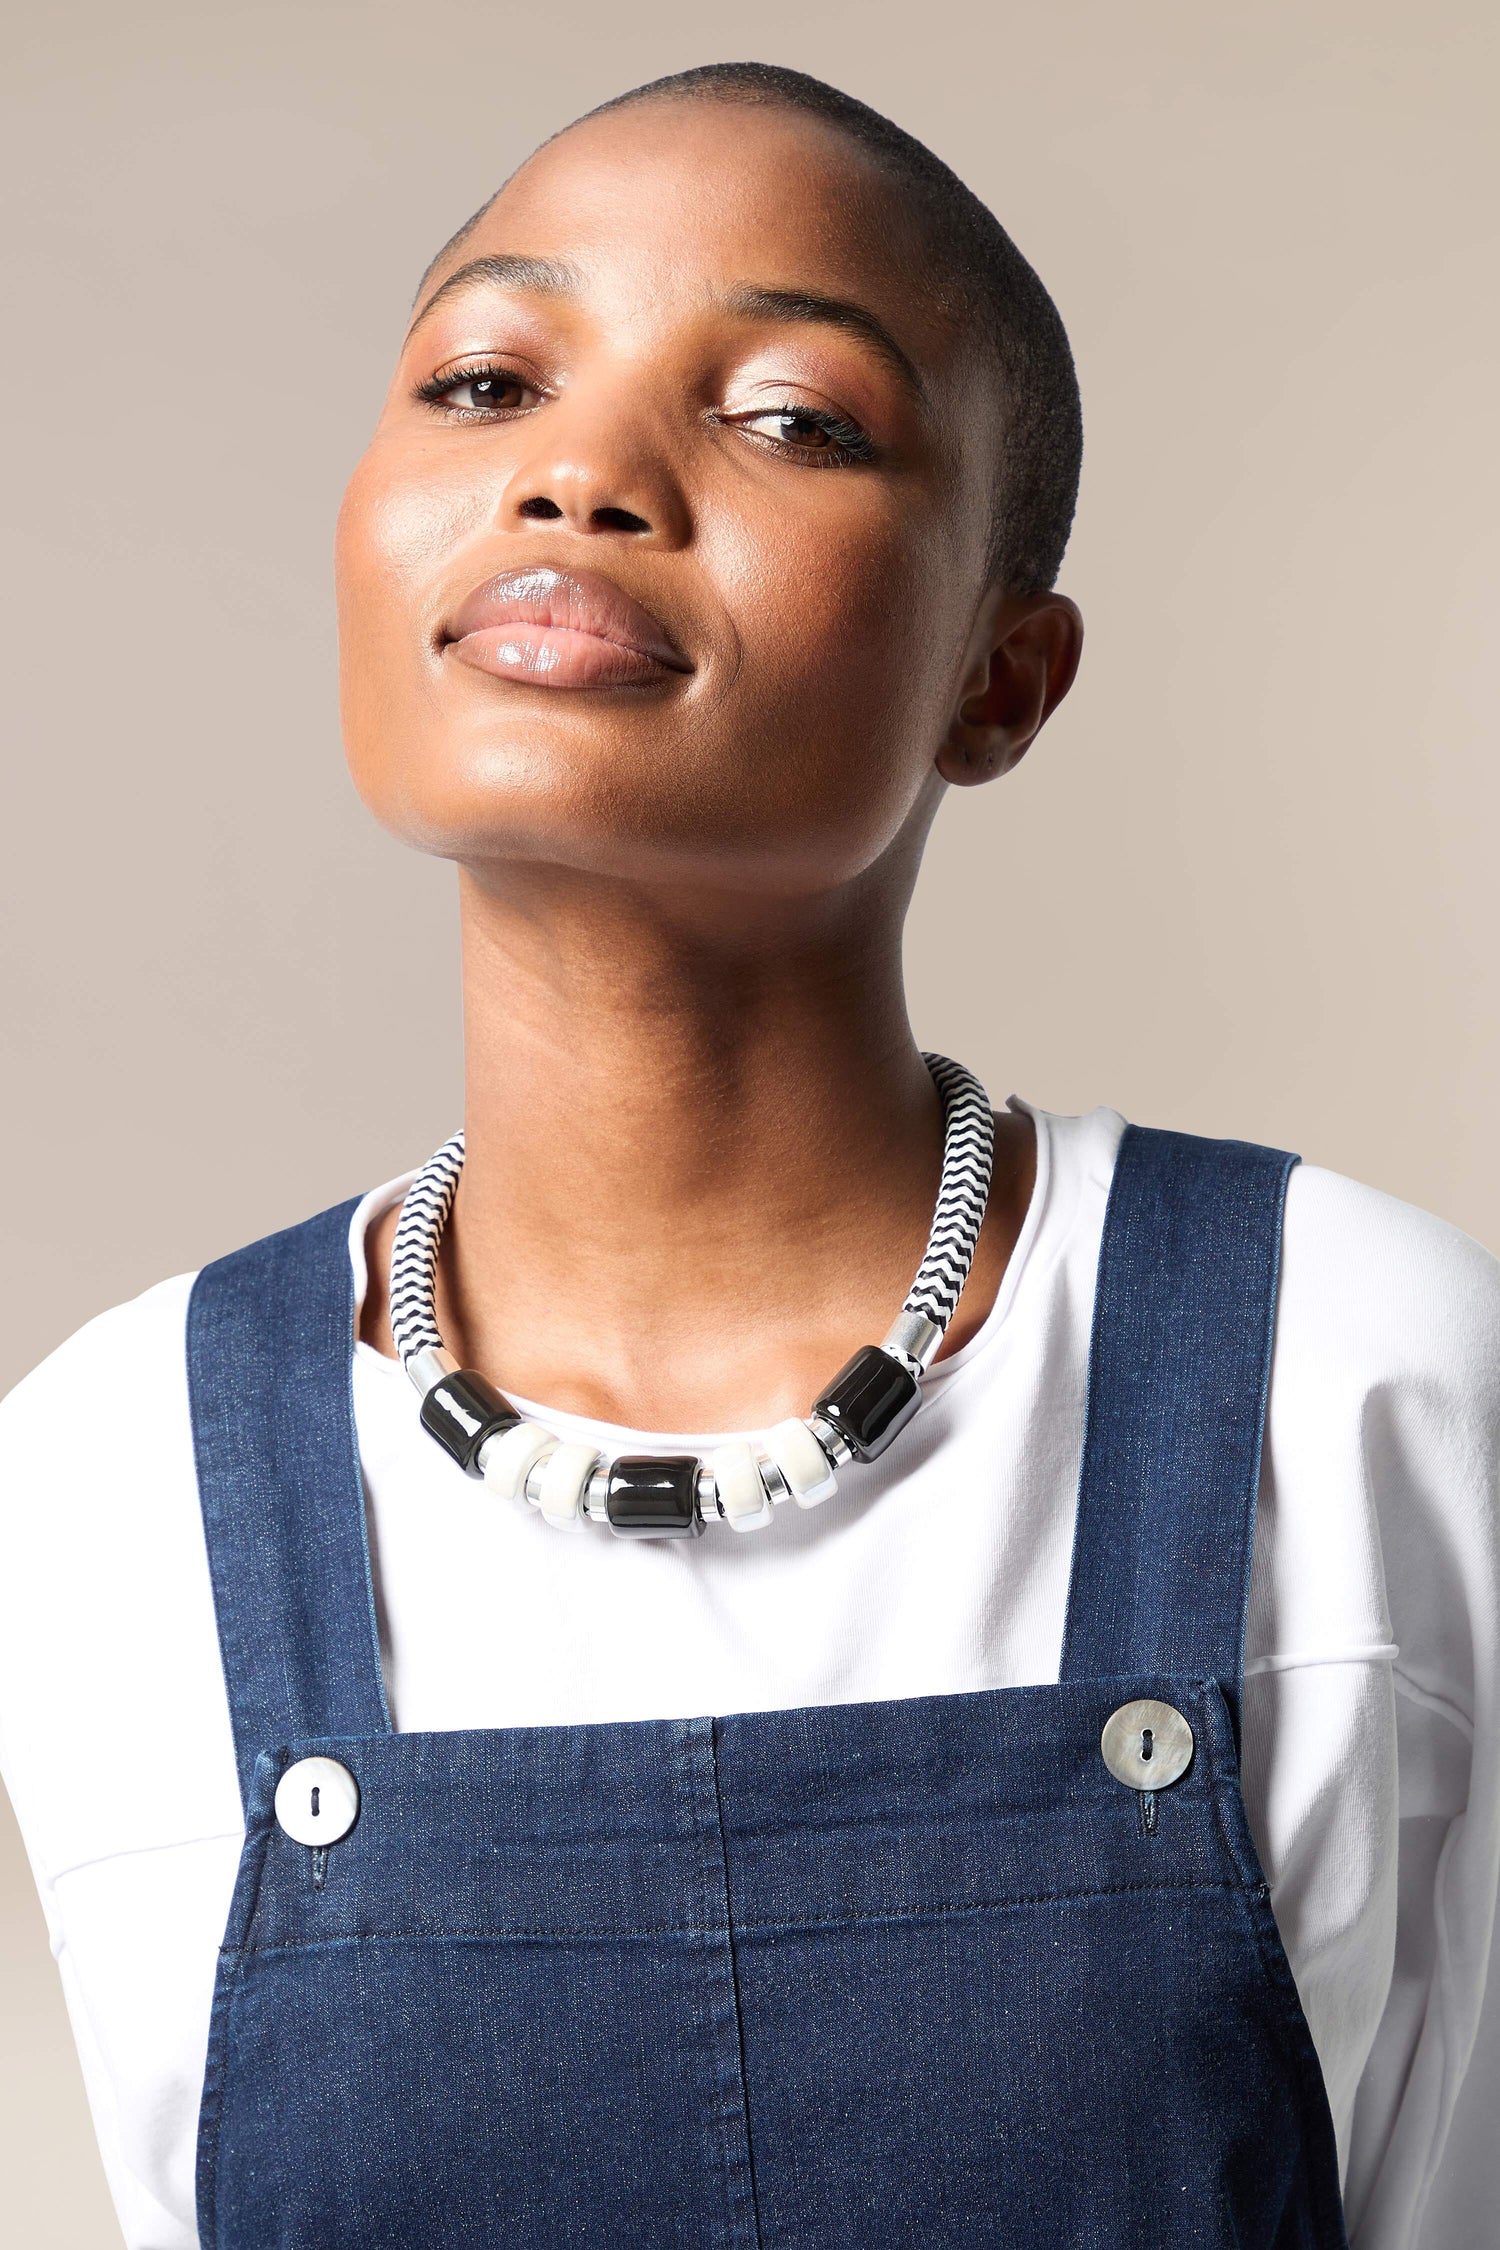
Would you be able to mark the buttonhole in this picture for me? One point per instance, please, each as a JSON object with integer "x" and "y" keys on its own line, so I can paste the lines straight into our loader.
{"x": 1146, "y": 1743}
{"x": 317, "y": 1793}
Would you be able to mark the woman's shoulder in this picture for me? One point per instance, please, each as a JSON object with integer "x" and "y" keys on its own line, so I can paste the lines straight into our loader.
{"x": 128, "y": 1364}
{"x": 107, "y": 1634}
{"x": 123, "y": 1365}
{"x": 1357, "y": 1245}
{"x": 1379, "y": 1280}
{"x": 1367, "y": 1279}
{"x": 97, "y": 1482}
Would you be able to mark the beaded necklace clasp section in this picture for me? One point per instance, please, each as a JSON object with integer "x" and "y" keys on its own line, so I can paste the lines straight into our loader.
{"x": 867, "y": 1405}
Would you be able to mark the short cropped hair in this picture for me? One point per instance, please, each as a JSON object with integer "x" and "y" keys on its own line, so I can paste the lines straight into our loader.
{"x": 975, "y": 271}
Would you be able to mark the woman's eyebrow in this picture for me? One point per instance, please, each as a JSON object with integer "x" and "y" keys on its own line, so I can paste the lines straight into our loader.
{"x": 505, "y": 269}
{"x": 755, "y": 302}
{"x": 751, "y": 300}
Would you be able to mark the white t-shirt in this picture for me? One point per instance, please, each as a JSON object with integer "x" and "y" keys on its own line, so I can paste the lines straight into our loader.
{"x": 1372, "y": 1696}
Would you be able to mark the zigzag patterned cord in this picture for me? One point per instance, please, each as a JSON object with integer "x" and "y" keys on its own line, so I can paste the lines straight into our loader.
{"x": 419, "y": 1230}
{"x": 968, "y": 1158}
{"x": 968, "y": 1152}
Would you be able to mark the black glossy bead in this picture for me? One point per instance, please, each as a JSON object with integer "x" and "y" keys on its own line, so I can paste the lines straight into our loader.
{"x": 654, "y": 1497}
{"x": 463, "y": 1410}
{"x": 869, "y": 1401}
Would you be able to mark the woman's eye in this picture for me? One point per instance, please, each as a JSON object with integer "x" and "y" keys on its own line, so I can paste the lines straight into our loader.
{"x": 796, "y": 429}
{"x": 477, "y": 390}
{"x": 810, "y": 430}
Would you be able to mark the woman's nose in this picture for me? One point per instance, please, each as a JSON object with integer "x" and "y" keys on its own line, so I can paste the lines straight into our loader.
{"x": 598, "y": 472}
{"x": 545, "y": 509}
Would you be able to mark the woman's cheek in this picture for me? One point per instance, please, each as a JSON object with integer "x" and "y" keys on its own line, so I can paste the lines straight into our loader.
{"x": 803, "y": 592}
{"x": 403, "y": 520}
{"x": 846, "y": 626}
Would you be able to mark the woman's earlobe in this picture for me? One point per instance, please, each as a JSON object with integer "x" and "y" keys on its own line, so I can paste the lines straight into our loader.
{"x": 1034, "y": 643}
{"x": 972, "y": 754}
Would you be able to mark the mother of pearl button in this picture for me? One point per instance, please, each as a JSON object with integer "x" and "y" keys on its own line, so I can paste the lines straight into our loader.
{"x": 317, "y": 1801}
{"x": 1147, "y": 1745}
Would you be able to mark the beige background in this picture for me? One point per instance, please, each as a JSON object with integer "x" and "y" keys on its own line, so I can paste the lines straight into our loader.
{"x": 1247, "y": 882}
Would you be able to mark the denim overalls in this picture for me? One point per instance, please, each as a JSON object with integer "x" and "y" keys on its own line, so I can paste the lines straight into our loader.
{"x": 853, "y": 1977}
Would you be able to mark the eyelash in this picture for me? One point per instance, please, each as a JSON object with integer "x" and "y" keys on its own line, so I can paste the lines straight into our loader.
{"x": 847, "y": 444}
{"x": 435, "y": 391}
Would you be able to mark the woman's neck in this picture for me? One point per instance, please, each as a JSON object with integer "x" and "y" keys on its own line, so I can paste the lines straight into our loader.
{"x": 700, "y": 1160}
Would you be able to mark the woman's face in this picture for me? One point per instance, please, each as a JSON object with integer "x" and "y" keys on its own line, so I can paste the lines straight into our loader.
{"x": 665, "y": 558}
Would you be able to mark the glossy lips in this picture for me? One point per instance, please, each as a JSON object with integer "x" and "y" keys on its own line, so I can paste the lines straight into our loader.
{"x": 561, "y": 628}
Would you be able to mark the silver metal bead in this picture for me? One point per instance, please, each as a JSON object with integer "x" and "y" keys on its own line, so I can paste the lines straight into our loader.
{"x": 596, "y": 1498}
{"x": 429, "y": 1366}
{"x": 708, "y": 1496}
{"x": 914, "y": 1338}
{"x": 772, "y": 1478}
{"x": 833, "y": 1442}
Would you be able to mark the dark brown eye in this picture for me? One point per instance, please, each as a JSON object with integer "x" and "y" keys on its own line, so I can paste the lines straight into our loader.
{"x": 794, "y": 428}
{"x": 478, "y": 390}
{"x": 813, "y": 431}
{"x": 495, "y": 389}
{"x": 801, "y": 429}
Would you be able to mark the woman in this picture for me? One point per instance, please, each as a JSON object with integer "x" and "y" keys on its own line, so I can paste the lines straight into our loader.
{"x": 884, "y": 1876}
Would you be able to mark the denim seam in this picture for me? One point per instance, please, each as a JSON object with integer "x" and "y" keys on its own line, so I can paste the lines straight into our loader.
{"x": 211, "y": 2104}
{"x": 734, "y": 1983}
{"x": 710, "y": 1896}
{"x": 231, "y": 1966}
{"x": 1002, "y": 1816}
{"x": 1291, "y": 2029}
{"x": 957, "y": 1909}
{"x": 1295, "y": 2040}
{"x": 937, "y": 1911}
{"x": 1224, "y": 1784}
{"x": 1252, "y": 1497}
{"x": 1103, "y": 1272}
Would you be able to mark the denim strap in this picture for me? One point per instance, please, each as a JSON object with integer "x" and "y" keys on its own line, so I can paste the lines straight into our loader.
{"x": 270, "y": 1334}
{"x": 1179, "y": 1368}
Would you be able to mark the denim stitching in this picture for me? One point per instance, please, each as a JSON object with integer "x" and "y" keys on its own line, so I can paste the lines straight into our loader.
{"x": 939, "y": 1911}
{"x": 734, "y": 1982}
{"x": 228, "y": 1983}
{"x": 689, "y": 1782}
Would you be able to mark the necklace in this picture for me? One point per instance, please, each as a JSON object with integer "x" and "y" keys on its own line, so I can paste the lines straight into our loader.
{"x": 854, "y": 1418}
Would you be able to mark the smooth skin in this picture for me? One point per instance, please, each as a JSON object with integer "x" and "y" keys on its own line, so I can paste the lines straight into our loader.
{"x": 702, "y": 1145}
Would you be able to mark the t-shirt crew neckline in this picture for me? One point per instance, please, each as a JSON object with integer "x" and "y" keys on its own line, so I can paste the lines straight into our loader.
{"x": 615, "y": 1438}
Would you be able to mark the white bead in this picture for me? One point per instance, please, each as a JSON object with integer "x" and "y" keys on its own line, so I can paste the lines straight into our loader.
{"x": 743, "y": 1499}
{"x": 507, "y": 1460}
{"x": 564, "y": 1481}
{"x": 802, "y": 1461}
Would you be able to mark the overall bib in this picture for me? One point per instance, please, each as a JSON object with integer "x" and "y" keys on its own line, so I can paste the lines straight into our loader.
{"x": 852, "y": 1977}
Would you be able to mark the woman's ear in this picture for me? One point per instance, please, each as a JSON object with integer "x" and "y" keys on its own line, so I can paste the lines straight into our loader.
{"x": 1021, "y": 661}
